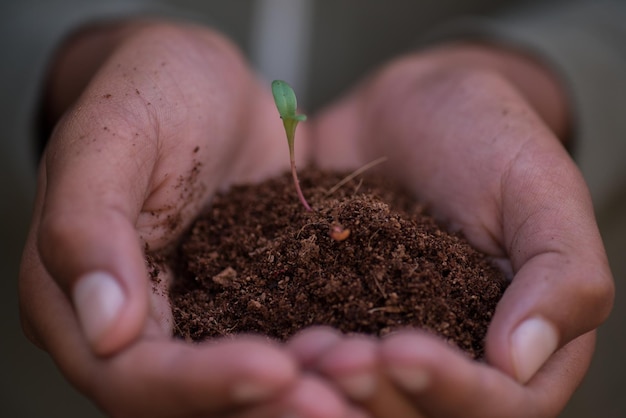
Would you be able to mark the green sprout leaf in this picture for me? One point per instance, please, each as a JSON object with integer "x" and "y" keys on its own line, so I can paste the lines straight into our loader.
{"x": 286, "y": 101}
{"x": 287, "y": 106}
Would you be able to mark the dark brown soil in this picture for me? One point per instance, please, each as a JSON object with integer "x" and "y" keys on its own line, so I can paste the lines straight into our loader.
{"x": 259, "y": 262}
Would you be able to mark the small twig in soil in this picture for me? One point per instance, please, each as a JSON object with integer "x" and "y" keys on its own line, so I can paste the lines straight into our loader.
{"x": 387, "y": 309}
{"x": 304, "y": 226}
{"x": 356, "y": 173}
{"x": 357, "y": 188}
{"x": 380, "y": 288}
{"x": 369, "y": 242}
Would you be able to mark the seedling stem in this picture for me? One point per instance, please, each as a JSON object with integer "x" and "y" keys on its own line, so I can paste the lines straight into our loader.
{"x": 286, "y": 103}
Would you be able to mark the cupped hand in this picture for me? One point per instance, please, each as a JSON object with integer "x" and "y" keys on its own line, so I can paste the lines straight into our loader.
{"x": 170, "y": 115}
{"x": 475, "y": 133}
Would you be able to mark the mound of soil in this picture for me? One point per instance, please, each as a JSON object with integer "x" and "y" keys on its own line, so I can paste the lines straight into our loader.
{"x": 366, "y": 260}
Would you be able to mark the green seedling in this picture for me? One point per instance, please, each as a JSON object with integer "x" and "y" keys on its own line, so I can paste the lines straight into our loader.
{"x": 287, "y": 105}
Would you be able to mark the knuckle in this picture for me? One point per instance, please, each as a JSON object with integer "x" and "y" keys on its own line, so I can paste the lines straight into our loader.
{"x": 600, "y": 291}
{"x": 595, "y": 292}
{"x": 58, "y": 241}
{"x": 53, "y": 231}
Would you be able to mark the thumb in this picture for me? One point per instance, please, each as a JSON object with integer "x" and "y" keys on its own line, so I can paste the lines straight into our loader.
{"x": 563, "y": 286}
{"x": 87, "y": 238}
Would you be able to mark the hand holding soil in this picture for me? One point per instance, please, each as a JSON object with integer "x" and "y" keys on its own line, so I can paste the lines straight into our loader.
{"x": 174, "y": 115}
{"x": 481, "y": 150}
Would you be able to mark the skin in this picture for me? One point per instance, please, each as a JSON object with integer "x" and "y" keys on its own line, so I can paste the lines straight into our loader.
{"x": 128, "y": 126}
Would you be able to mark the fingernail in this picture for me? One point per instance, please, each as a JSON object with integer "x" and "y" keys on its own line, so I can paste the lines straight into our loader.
{"x": 410, "y": 379}
{"x": 532, "y": 343}
{"x": 98, "y": 299}
{"x": 250, "y": 392}
{"x": 358, "y": 386}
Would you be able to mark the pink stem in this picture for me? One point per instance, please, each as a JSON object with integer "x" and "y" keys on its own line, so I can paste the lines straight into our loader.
{"x": 294, "y": 174}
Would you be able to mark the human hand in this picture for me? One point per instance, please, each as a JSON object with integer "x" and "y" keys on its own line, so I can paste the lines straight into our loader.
{"x": 477, "y": 140}
{"x": 169, "y": 115}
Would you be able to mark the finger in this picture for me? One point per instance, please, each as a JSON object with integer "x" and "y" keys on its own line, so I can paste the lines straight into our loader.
{"x": 155, "y": 376}
{"x": 94, "y": 190}
{"x": 310, "y": 344}
{"x": 323, "y": 349}
{"x": 352, "y": 364}
{"x": 314, "y": 398}
{"x": 204, "y": 379}
{"x": 432, "y": 373}
{"x": 562, "y": 287}
{"x": 310, "y": 397}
